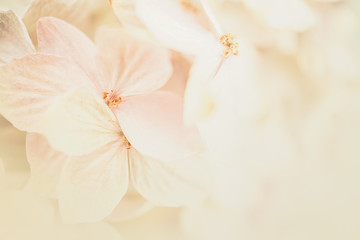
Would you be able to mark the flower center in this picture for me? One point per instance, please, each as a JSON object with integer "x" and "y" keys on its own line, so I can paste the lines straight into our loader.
{"x": 111, "y": 99}
{"x": 231, "y": 47}
{"x": 189, "y": 6}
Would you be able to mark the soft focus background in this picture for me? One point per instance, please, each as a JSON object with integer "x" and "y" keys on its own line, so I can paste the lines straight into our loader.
{"x": 287, "y": 169}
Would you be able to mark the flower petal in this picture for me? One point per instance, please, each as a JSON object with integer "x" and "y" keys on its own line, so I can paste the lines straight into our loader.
{"x": 29, "y": 85}
{"x": 46, "y": 165}
{"x": 175, "y": 26}
{"x": 167, "y": 184}
{"x": 236, "y": 86}
{"x": 60, "y": 38}
{"x": 153, "y": 124}
{"x": 79, "y": 123}
{"x": 199, "y": 101}
{"x": 131, "y": 65}
{"x": 125, "y": 12}
{"x": 14, "y": 40}
{"x": 92, "y": 185}
{"x": 74, "y": 11}
{"x": 131, "y": 206}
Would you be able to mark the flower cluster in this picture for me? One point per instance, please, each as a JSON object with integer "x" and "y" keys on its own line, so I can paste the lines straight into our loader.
{"x": 243, "y": 113}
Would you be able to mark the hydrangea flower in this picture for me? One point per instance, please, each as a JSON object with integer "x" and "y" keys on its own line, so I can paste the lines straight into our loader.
{"x": 96, "y": 105}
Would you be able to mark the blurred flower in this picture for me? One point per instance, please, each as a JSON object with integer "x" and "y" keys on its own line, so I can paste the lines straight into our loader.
{"x": 26, "y": 216}
{"x": 19, "y": 6}
{"x": 294, "y": 15}
{"x": 216, "y": 76}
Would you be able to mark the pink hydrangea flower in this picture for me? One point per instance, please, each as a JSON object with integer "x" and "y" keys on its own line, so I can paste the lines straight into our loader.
{"x": 106, "y": 125}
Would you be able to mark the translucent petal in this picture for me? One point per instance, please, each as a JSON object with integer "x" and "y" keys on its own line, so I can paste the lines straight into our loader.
{"x": 167, "y": 184}
{"x": 153, "y": 124}
{"x": 92, "y": 185}
{"x": 29, "y": 85}
{"x": 79, "y": 123}
{"x": 130, "y": 65}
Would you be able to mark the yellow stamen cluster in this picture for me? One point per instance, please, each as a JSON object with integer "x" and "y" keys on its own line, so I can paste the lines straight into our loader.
{"x": 231, "y": 47}
{"x": 189, "y": 6}
{"x": 110, "y": 99}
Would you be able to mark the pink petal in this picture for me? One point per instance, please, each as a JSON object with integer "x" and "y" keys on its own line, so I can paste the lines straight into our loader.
{"x": 92, "y": 185}
{"x": 14, "y": 40}
{"x": 29, "y": 85}
{"x": 153, "y": 124}
{"x": 177, "y": 82}
{"x": 60, "y": 38}
{"x": 132, "y": 66}
{"x": 171, "y": 184}
{"x": 46, "y": 165}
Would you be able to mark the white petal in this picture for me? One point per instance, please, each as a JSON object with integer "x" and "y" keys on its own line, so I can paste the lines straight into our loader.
{"x": 92, "y": 185}
{"x": 14, "y": 40}
{"x": 125, "y": 11}
{"x": 46, "y": 165}
{"x": 176, "y": 27}
{"x": 172, "y": 184}
{"x": 131, "y": 206}
{"x": 199, "y": 101}
{"x": 79, "y": 123}
{"x": 236, "y": 87}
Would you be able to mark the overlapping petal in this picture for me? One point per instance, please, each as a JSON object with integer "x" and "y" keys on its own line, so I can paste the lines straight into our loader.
{"x": 46, "y": 165}
{"x": 29, "y": 85}
{"x": 92, "y": 185}
{"x": 125, "y": 11}
{"x": 166, "y": 184}
{"x": 14, "y": 40}
{"x": 73, "y": 11}
{"x": 132, "y": 66}
{"x": 175, "y": 26}
{"x": 153, "y": 124}
{"x": 131, "y": 205}
{"x": 79, "y": 123}
{"x": 60, "y": 38}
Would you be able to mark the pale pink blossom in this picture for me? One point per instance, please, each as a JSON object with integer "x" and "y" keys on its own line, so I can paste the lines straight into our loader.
{"x": 96, "y": 105}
